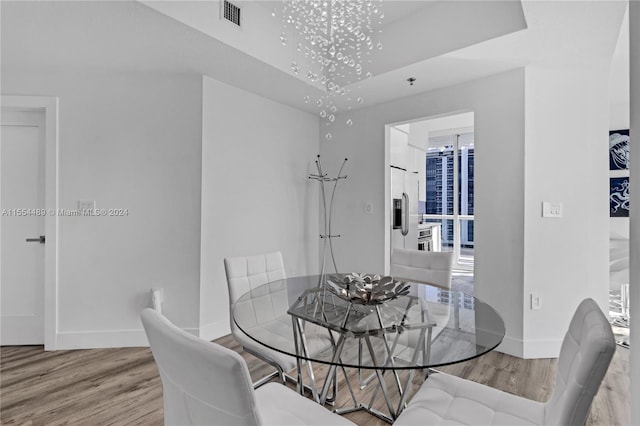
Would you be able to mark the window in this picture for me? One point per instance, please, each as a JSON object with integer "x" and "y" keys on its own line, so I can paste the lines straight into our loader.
{"x": 450, "y": 192}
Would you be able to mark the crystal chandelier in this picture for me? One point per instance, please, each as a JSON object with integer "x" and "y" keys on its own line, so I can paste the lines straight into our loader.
{"x": 331, "y": 41}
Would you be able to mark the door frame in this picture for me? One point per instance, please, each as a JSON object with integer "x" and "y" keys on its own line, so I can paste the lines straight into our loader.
{"x": 48, "y": 105}
{"x": 387, "y": 174}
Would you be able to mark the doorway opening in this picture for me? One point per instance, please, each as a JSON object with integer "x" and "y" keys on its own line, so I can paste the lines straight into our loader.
{"x": 441, "y": 152}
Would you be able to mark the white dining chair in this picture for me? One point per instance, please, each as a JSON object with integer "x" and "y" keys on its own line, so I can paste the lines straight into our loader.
{"x": 245, "y": 273}
{"x": 204, "y": 383}
{"x": 432, "y": 267}
{"x": 420, "y": 266}
{"x": 268, "y": 312}
{"x": 585, "y": 355}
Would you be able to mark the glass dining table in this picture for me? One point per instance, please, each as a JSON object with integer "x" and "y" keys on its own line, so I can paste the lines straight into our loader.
{"x": 384, "y": 329}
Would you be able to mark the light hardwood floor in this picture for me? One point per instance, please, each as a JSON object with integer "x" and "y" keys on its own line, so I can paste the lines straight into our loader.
{"x": 122, "y": 386}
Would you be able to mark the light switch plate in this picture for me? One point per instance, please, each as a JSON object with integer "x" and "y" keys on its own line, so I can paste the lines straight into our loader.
{"x": 536, "y": 302}
{"x": 551, "y": 209}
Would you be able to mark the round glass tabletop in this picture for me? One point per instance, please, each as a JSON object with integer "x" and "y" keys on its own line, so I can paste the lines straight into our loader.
{"x": 388, "y": 325}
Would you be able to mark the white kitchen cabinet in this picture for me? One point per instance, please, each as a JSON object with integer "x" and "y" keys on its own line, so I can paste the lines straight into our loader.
{"x": 400, "y": 154}
{"x": 409, "y": 158}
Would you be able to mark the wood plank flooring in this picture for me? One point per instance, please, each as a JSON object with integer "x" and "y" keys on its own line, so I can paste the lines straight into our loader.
{"x": 122, "y": 386}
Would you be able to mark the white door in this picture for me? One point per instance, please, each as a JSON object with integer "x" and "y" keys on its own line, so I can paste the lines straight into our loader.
{"x": 22, "y": 202}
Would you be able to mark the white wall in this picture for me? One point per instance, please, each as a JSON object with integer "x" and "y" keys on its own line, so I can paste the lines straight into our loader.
{"x": 618, "y": 116}
{"x": 131, "y": 123}
{"x": 256, "y": 197}
{"x": 498, "y": 103}
{"x": 132, "y": 141}
{"x": 541, "y": 133}
{"x": 634, "y": 18}
{"x": 259, "y": 35}
{"x": 566, "y": 160}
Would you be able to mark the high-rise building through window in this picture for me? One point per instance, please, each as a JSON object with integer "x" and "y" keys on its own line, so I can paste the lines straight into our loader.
{"x": 440, "y": 190}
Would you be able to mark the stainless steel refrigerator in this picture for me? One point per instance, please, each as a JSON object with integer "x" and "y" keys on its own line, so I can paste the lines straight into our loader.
{"x": 404, "y": 209}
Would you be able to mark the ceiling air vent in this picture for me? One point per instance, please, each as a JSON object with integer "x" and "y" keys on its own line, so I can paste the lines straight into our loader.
{"x": 231, "y": 12}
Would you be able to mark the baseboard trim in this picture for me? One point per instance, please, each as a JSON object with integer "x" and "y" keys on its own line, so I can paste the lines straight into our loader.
{"x": 530, "y": 349}
{"x": 105, "y": 339}
{"x": 511, "y": 346}
{"x": 214, "y": 330}
{"x": 542, "y": 348}
{"x": 21, "y": 330}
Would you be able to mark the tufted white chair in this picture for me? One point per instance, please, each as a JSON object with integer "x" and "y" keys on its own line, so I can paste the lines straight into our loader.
{"x": 244, "y": 274}
{"x": 269, "y": 311}
{"x": 204, "y": 383}
{"x": 432, "y": 267}
{"x": 585, "y": 355}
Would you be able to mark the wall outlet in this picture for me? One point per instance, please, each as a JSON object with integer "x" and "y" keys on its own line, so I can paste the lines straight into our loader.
{"x": 368, "y": 208}
{"x": 157, "y": 296}
{"x": 536, "y": 302}
{"x": 293, "y": 271}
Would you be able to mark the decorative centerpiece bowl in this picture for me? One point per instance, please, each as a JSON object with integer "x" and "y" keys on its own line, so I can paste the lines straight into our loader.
{"x": 366, "y": 289}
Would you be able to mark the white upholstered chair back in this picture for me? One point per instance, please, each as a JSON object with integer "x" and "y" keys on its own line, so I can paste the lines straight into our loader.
{"x": 585, "y": 355}
{"x": 433, "y": 267}
{"x": 202, "y": 382}
{"x": 248, "y": 272}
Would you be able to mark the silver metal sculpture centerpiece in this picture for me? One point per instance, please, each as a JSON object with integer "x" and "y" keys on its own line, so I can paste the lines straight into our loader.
{"x": 366, "y": 289}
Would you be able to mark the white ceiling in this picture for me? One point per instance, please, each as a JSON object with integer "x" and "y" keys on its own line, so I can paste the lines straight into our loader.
{"x": 414, "y": 34}
{"x": 440, "y": 43}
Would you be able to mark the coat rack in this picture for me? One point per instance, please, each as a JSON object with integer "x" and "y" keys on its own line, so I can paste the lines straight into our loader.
{"x": 327, "y": 236}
